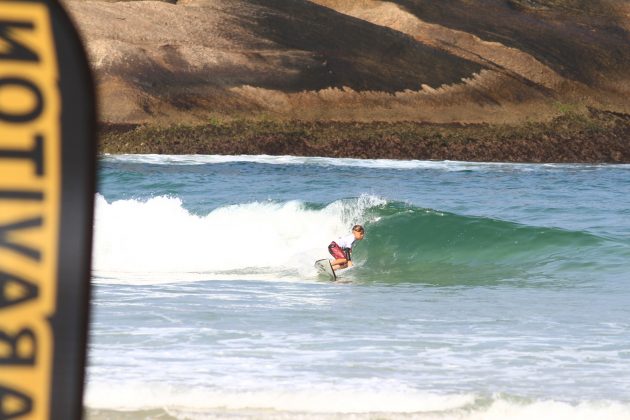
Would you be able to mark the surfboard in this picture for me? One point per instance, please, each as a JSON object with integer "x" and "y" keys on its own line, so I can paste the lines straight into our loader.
{"x": 324, "y": 267}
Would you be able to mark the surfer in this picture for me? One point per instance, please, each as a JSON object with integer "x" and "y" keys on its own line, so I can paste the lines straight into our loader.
{"x": 341, "y": 249}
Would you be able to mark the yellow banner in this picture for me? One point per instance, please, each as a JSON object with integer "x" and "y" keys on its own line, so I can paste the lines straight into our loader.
{"x": 30, "y": 195}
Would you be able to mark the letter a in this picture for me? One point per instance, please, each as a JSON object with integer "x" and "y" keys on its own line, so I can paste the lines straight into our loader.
{"x": 14, "y": 404}
{"x": 14, "y": 290}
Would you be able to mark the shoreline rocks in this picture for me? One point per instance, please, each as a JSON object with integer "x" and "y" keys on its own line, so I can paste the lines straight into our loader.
{"x": 596, "y": 137}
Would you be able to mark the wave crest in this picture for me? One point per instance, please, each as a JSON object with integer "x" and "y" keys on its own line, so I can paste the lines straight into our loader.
{"x": 281, "y": 240}
{"x": 161, "y": 236}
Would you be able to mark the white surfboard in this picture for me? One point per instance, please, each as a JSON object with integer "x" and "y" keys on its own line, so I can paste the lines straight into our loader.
{"x": 324, "y": 267}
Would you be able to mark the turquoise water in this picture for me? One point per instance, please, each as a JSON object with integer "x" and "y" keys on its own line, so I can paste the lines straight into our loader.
{"x": 481, "y": 291}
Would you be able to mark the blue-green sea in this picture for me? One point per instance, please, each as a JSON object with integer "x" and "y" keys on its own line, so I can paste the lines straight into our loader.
{"x": 480, "y": 291}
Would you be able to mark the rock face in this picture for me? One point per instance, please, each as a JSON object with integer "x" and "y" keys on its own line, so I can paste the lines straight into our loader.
{"x": 447, "y": 61}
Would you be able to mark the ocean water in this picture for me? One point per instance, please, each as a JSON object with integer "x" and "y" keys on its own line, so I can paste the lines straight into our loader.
{"x": 481, "y": 291}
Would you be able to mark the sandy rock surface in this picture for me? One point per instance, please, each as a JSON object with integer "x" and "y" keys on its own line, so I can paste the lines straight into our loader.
{"x": 355, "y": 60}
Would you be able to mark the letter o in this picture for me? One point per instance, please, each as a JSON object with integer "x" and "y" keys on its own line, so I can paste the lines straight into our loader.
{"x": 33, "y": 113}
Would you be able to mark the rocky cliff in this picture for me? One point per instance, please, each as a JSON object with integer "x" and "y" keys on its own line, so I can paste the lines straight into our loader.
{"x": 447, "y": 61}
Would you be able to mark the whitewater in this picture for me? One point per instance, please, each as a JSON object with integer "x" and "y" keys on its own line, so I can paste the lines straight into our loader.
{"x": 481, "y": 291}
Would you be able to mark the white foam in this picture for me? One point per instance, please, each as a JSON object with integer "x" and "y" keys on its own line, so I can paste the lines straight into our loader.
{"x": 445, "y": 165}
{"x": 505, "y": 409}
{"x": 314, "y": 400}
{"x": 396, "y": 402}
{"x": 159, "y": 239}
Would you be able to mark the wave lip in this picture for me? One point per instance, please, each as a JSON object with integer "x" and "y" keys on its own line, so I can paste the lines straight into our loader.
{"x": 428, "y": 245}
{"x": 280, "y": 240}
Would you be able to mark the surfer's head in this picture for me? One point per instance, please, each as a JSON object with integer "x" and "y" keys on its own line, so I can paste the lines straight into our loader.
{"x": 358, "y": 232}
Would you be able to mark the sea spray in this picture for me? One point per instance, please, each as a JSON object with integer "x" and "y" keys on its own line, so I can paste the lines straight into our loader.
{"x": 160, "y": 236}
